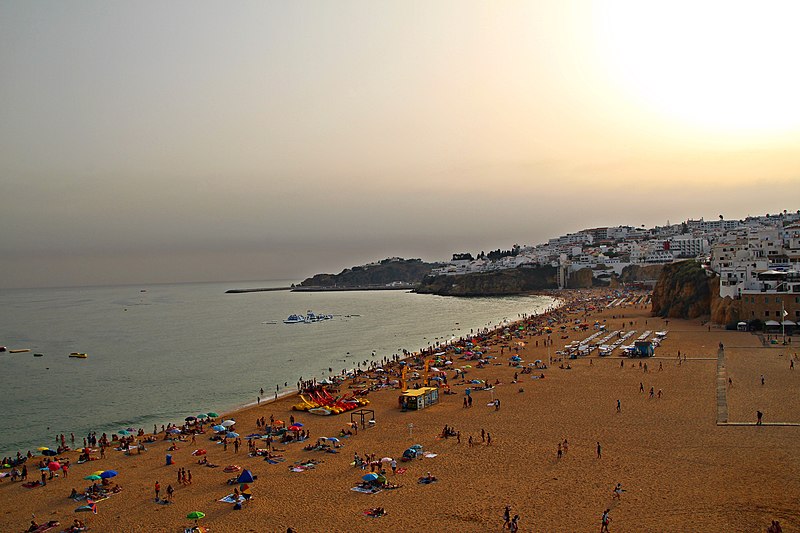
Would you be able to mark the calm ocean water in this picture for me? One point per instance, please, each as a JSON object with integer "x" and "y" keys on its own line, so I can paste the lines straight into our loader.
{"x": 185, "y": 349}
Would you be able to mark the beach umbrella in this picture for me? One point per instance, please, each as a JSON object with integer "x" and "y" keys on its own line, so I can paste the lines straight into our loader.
{"x": 195, "y": 515}
{"x": 201, "y": 415}
{"x": 386, "y": 460}
{"x": 42, "y": 448}
{"x": 54, "y": 465}
{"x": 190, "y": 418}
{"x": 253, "y": 436}
{"x": 49, "y": 453}
{"x": 229, "y": 423}
{"x": 219, "y": 428}
{"x": 213, "y": 415}
{"x": 98, "y": 472}
{"x": 232, "y": 435}
{"x": 294, "y": 428}
{"x": 245, "y": 477}
{"x": 333, "y": 439}
{"x": 278, "y": 423}
{"x": 174, "y": 431}
{"x": 93, "y": 477}
{"x": 298, "y": 424}
{"x": 199, "y": 452}
{"x": 370, "y": 477}
{"x": 108, "y": 474}
{"x": 124, "y": 432}
{"x": 416, "y": 447}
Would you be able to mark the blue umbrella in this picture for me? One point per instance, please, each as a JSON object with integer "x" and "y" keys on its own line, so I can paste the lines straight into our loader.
{"x": 245, "y": 477}
{"x": 298, "y": 424}
{"x": 232, "y": 435}
{"x": 219, "y": 428}
{"x": 174, "y": 431}
{"x": 370, "y": 477}
{"x": 253, "y": 436}
{"x": 49, "y": 453}
{"x": 124, "y": 432}
{"x": 108, "y": 473}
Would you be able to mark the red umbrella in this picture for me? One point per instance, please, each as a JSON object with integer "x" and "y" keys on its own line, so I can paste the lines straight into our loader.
{"x": 54, "y": 466}
{"x": 294, "y": 428}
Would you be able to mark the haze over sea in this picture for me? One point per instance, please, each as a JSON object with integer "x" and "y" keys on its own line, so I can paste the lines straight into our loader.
{"x": 184, "y": 349}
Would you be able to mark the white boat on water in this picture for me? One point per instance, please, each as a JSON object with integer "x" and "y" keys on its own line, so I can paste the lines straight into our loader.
{"x": 307, "y": 319}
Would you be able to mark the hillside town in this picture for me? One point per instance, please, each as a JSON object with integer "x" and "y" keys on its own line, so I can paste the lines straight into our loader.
{"x": 757, "y": 259}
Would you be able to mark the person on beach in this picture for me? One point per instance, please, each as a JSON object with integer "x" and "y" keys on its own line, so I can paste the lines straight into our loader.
{"x": 759, "y": 414}
{"x": 762, "y": 379}
{"x": 619, "y": 406}
{"x": 170, "y": 492}
{"x": 618, "y": 490}
{"x": 604, "y": 521}
{"x": 599, "y": 451}
{"x": 559, "y": 451}
{"x": 158, "y": 490}
{"x": 507, "y": 517}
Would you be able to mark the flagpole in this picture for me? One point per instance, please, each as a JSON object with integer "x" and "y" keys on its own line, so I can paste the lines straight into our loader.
{"x": 783, "y": 322}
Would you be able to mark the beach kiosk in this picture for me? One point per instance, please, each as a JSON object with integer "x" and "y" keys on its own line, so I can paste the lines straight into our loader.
{"x": 643, "y": 349}
{"x": 419, "y": 398}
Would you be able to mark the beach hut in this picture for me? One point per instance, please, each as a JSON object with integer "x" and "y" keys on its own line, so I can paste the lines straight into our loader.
{"x": 420, "y": 398}
{"x": 643, "y": 349}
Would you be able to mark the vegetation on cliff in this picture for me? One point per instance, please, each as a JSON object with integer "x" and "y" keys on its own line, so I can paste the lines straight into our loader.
{"x": 388, "y": 271}
{"x": 495, "y": 283}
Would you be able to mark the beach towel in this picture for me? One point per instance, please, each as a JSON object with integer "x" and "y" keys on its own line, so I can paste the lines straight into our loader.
{"x": 274, "y": 460}
{"x": 230, "y": 499}
{"x": 298, "y": 469}
{"x": 402, "y": 470}
{"x": 373, "y": 514}
{"x": 46, "y": 527}
{"x": 430, "y": 455}
{"x": 362, "y": 490}
{"x": 424, "y": 481}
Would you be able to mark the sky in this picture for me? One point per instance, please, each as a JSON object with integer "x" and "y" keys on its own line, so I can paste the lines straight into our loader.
{"x": 147, "y": 142}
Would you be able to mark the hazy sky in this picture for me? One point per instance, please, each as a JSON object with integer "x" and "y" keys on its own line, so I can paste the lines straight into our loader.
{"x": 150, "y": 142}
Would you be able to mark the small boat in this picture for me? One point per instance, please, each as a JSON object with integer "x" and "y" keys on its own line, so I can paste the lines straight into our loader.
{"x": 294, "y": 319}
{"x": 20, "y": 350}
{"x": 319, "y": 411}
{"x": 38, "y": 355}
{"x": 78, "y": 355}
{"x": 3, "y": 348}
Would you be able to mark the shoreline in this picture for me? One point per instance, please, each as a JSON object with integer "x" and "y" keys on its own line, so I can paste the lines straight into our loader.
{"x": 270, "y": 398}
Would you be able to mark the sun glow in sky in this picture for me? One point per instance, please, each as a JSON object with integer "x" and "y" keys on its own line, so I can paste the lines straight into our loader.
{"x": 151, "y": 141}
{"x": 727, "y": 68}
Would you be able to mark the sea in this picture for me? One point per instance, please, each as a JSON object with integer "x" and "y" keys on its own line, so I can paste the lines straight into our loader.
{"x": 160, "y": 353}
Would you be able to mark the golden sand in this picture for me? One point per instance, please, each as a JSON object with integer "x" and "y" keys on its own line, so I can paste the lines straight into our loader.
{"x": 680, "y": 470}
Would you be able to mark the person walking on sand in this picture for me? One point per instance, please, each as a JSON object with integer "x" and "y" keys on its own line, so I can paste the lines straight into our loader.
{"x": 617, "y": 491}
{"x": 759, "y": 414}
{"x": 157, "y": 489}
{"x": 604, "y": 521}
{"x": 507, "y": 517}
{"x": 559, "y": 451}
{"x": 619, "y": 406}
{"x": 599, "y": 451}
{"x": 762, "y": 379}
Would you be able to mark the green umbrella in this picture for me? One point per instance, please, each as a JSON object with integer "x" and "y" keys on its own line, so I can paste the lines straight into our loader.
{"x": 195, "y": 515}
{"x": 201, "y": 415}
{"x": 213, "y": 415}
{"x": 93, "y": 477}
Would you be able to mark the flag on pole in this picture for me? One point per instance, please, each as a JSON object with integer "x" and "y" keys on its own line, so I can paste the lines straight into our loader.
{"x": 785, "y": 312}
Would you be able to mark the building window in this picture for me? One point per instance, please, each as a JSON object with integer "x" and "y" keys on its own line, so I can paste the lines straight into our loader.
{"x": 766, "y": 299}
{"x": 766, "y": 313}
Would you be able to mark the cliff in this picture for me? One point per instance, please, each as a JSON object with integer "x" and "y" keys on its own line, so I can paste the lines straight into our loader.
{"x": 495, "y": 283}
{"x": 683, "y": 291}
{"x": 634, "y": 273}
{"x": 383, "y": 273}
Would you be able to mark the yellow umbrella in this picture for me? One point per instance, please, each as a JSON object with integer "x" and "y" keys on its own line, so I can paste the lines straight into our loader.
{"x": 42, "y": 448}
{"x": 98, "y": 472}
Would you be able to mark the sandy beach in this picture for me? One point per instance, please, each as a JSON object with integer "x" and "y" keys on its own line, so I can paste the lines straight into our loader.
{"x": 680, "y": 469}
